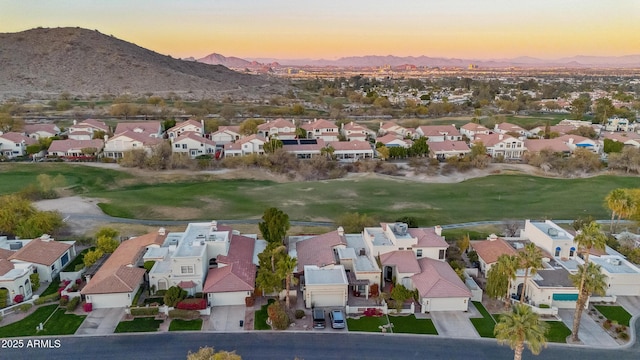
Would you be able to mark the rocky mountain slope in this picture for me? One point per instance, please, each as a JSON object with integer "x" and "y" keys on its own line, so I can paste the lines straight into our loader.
{"x": 81, "y": 61}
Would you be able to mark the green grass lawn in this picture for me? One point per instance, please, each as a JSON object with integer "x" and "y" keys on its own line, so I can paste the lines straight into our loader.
{"x": 185, "y": 325}
{"x": 147, "y": 324}
{"x": 366, "y": 323}
{"x": 557, "y": 332}
{"x": 485, "y": 324}
{"x": 261, "y": 316}
{"x": 52, "y": 288}
{"x": 411, "y": 325}
{"x": 615, "y": 313}
{"x": 59, "y": 324}
{"x": 509, "y": 196}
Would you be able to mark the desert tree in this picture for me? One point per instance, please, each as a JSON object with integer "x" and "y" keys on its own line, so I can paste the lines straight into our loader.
{"x": 520, "y": 327}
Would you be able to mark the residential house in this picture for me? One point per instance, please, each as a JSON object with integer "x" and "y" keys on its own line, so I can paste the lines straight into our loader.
{"x": 15, "y": 277}
{"x": 470, "y": 130}
{"x": 507, "y": 128}
{"x": 86, "y": 129}
{"x": 193, "y": 144}
{"x": 580, "y": 142}
{"x": 186, "y": 127}
{"x": 38, "y": 131}
{"x": 116, "y": 146}
{"x": 151, "y": 129}
{"x": 47, "y": 255}
{"x": 447, "y": 149}
{"x": 72, "y": 148}
{"x": 280, "y": 128}
{"x": 555, "y": 145}
{"x": 439, "y": 287}
{"x": 325, "y": 287}
{"x": 321, "y": 129}
{"x": 439, "y": 133}
{"x": 352, "y": 151}
{"x": 391, "y": 127}
{"x": 627, "y": 138}
{"x": 617, "y": 124}
{"x": 393, "y": 140}
{"x": 253, "y": 144}
{"x": 13, "y": 144}
{"x": 304, "y": 148}
{"x": 355, "y": 131}
{"x": 497, "y": 145}
{"x": 119, "y": 278}
{"x": 226, "y": 134}
{"x": 489, "y": 250}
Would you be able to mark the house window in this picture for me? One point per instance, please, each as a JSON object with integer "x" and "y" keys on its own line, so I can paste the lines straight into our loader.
{"x": 441, "y": 254}
{"x": 53, "y": 267}
{"x": 419, "y": 253}
{"x": 177, "y": 146}
{"x": 572, "y": 251}
{"x": 184, "y": 146}
{"x": 186, "y": 269}
{"x": 557, "y": 251}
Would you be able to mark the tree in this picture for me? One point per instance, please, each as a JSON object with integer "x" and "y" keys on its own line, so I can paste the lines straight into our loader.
{"x": 301, "y": 133}
{"x": 41, "y": 222}
{"x": 400, "y": 294}
{"x": 272, "y": 145}
{"x": 228, "y": 112}
{"x": 174, "y": 295}
{"x": 274, "y": 226}
{"x": 519, "y": 327}
{"x": 500, "y": 276}
{"x": 612, "y": 146}
{"x": 33, "y": 149}
{"x": 478, "y": 155}
{"x": 383, "y": 152}
{"x": 286, "y": 266}
{"x": 355, "y": 222}
{"x": 327, "y": 151}
{"x": 250, "y": 126}
{"x": 91, "y": 257}
{"x": 14, "y": 210}
{"x": 35, "y": 281}
{"x": 420, "y": 147}
{"x": 411, "y": 221}
{"x": 530, "y": 260}
{"x": 105, "y": 240}
{"x": 208, "y": 353}
{"x": 604, "y": 109}
{"x": 616, "y": 201}
{"x": 589, "y": 280}
{"x": 463, "y": 243}
{"x": 589, "y": 237}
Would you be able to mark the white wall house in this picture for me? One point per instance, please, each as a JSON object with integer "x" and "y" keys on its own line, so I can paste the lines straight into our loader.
{"x": 15, "y": 279}
{"x": 186, "y": 127}
{"x": 324, "y": 287}
{"x": 86, "y": 129}
{"x": 497, "y": 145}
{"x": 13, "y": 144}
{"x": 193, "y": 144}
{"x": 46, "y": 255}
{"x": 116, "y": 146}
{"x": 321, "y": 129}
{"x": 253, "y": 144}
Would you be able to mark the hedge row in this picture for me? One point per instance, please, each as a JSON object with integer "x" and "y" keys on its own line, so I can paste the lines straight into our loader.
{"x": 192, "y": 304}
{"x": 184, "y": 314}
{"x": 73, "y": 303}
{"x": 47, "y": 299}
{"x": 145, "y": 311}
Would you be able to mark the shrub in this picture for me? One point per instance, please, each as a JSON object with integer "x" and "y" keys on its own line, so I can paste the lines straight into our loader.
{"x": 18, "y": 298}
{"x": 145, "y": 311}
{"x": 300, "y": 314}
{"x": 544, "y": 306}
{"x": 621, "y": 328}
{"x": 199, "y": 295}
{"x": 87, "y": 307}
{"x": 3, "y": 297}
{"x": 73, "y": 303}
{"x": 46, "y": 299}
{"x": 192, "y": 304}
{"x": 184, "y": 314}
{"x": 607, "y": 324}
{"x": 35, "y": 281}
{"x": 160, "y": 292}
{"x": 174, "y": 295}
{"x": 25, "y": 307}
{"x": 249, "y": 301}
{"x": 64, "y": 300}
{"x": 623, "y": 336}
{"x": 278, "y": 316}
{"x": 79, "y": 267}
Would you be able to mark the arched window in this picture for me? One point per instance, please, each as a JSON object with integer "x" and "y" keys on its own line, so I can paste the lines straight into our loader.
{"x": 558, "y": 251}
{"x": 572, "y": 251}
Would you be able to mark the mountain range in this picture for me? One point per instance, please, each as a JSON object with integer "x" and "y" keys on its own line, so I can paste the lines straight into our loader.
{"x": 81, "y": 61}
{"x": 629, "y": 61}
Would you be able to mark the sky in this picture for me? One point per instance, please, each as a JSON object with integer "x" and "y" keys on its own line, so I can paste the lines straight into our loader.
{"x": 330, "y": 29}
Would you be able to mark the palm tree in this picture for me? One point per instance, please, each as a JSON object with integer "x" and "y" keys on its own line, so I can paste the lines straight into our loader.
{"x": 500, "y": 276}
{"x": 328, "y": 151}
{"x": 530, "y": 260}
{"x": 590, "y": 237}
{"x": 286, "y": 266}
{"x": 626, "y": 208}
{"x": 519, "y": 327}
{"x": 589, "y": 280}
{"x": 614, "y": 202}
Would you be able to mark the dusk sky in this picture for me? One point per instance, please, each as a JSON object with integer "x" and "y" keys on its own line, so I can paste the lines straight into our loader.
{"x": 480, "y": 29}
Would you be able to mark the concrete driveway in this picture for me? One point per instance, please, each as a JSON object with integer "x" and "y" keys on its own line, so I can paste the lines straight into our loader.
{"x": 591, "y": 333}
{"x": 225, "y": 318}
{"x": 630, "y": 303}
{"x": 454, "y": 324}
{"x": 101, "y": 321}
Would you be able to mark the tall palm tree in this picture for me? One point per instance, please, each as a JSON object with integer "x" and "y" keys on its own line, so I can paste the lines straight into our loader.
{"x": 530, "y": 260}
{"x": 590, "y": 237}
{"x": 500, "y": 276}
{"x": 519, "y": 327}
{"x": 286, "y": 266}
{"x": 589, "y": 280}
{"x": 626, "y": 208}
{"x": 614, "y": 202}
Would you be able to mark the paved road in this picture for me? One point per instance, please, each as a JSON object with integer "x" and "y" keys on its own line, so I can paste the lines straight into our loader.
{"x": 307, "y": 346}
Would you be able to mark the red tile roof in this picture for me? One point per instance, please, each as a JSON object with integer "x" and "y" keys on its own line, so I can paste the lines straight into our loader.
{"x": 180, "y": 125}
{"x": 234, "y": 277}
{"x": 240, "y": 250}
{"x": 439, "y": 130}
{"x": 490, "y": 140}
{"x": 404, "y": 260}
{"x": 449, "y": 145}
{"x": 119, "y": 273}
{"x": 490, "y": 250}
{"x": 147, "y": 127}
{"x": 427, "y": 237}
{"x": 318, "y": 250}
{"x": 438, "y": 280}
{"x": 555, "y": 145}
{"x": 351, "y": 145}
{"x": 38, "y": 251}
{"x": 474, "y": 127}
{"x": 18, "y": 138}
{"x": 93, "y": 123}
{"x": 69, "y": 144}
{"x": 6, "y": 254}
{"x": 277, "y": 123}
{"x": 194, "y": 136}
{"x": 5, "y": 266}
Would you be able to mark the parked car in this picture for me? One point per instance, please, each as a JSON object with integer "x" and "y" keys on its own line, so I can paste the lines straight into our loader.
{"x": 319, "y": 321}
{"x": 337, "y": 319}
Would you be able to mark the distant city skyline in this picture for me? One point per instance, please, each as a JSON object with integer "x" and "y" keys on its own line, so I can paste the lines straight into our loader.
{"x": 330, "y": 29}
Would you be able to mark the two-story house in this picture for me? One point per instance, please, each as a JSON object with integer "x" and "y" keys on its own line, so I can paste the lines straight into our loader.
{"x": 470, "y": 130}
{"x": 13, "y": 144}
{"x": 497, "y": 145}
{"x": 355, "y": 131}
{"x": 86, "y": 129}
{"x": 279, "y": 128}
{"x": 186, "y": 127}
{"x": 253, "y": 144}
{"x": 193, "y": 144}
{"x": 38, "y": 131}
{"x": 321, "y": 129}
{"x": 439, "y": 133}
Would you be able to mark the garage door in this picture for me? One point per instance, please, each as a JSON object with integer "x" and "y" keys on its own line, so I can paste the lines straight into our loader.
{"x": 225, "y": 299}
{"x": 328, "y": 299}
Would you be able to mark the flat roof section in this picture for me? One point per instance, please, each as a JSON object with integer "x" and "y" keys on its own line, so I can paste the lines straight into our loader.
{"x": 615, "y": 265}
{"x": 316, "y": 276}
{"x": 552, "y": 230}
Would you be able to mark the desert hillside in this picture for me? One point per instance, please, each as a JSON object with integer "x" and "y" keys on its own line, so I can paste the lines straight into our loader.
{"x": 81, "y": 61}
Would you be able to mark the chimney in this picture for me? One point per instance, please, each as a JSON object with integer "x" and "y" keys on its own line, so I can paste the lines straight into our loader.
{"x": 75, "y": 122}
{"x": 493, "y": 237}
{"x": 106, "y": 137}
{"x": 162, "y": 231}
{"x": 340, "y": 231}
{"x": 438, "y": 230}
{"x": 202, "y": 124}
{"x": 501, "y": 136}
{"x": 214, "y": 225}
{"x": 570, "y": 140}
